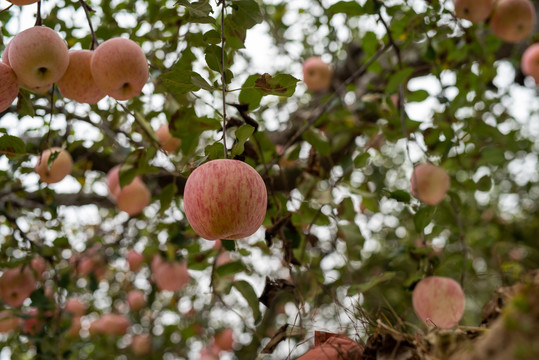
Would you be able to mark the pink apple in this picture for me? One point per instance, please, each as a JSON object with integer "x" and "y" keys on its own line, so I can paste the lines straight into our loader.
{"x": 120, "y": 68}
{"x": 168, "y": 142}
{"x": 337, "y": 347}
{"x": 316, "y": 74}
{"x": 475, "y": 11}
{"x": 141, "y": 344}
{"x": 512, "y": 20}
{"x": 113, "y": 181}
{"x": 90, "y": 264}
{"x": 438, "y": 301}
{"x": 224, "y": 339}
{"x": 133, "y": 198}
{"x": 429, "y": 183}
{"x": 75, "y": 306}
{"x": 38, "y": 56}
{"x": 136, "y": 299}
{"x": 60, "y": 167}
{"x": 9, "y": 87}
{"x": 39, "y": 265}
{"x": 209, "y": 353}
{"x": 110, "y": 324}
{"x": 75, "y": 327}
{"x": 8, "y": 321}
{"x": 22, "y": 2}
{"x": 170, "y": 276}
{"x": 135, "y": 260}
{"x": 16, "y": 285}
{"x": 77, "y": 83}
{"x": 530, "y": 62}
{"x": 225, "y": 199}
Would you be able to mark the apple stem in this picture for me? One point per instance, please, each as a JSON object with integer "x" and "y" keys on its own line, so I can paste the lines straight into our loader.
{"x": 87, "y": 11}
{"x": 39, "y": 20}
{"x": 6, "y": 9}
{"x": 223, "y": 4}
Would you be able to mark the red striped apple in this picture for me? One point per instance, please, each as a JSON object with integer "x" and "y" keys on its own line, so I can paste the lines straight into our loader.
{"x": 429, "y": 183}
{"x": 77, "y": 83}
{"x": 120, "y": 68}
{"x": 38, "y": 56}
{"x": 512, "y": 20}
{"x": 9, "y": 87}
{"x": 475, "y": 11}
{"x": 60, "y": 167}
{"x": 168, "y": 142}
{"x": 17, "y": 284}
{"x": 438, "y": 301}
{"x": 316, "y": 74}
{"x": 225, "y": 199}
{"x": 530, "y": 62}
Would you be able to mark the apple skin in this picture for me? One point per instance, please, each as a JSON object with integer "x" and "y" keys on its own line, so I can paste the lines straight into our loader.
{"x": 134, "y": 260}
{"x": 439, "y": 301}
{"x": 8, "y": 321}
{"x": 75, "y": 306}
{"x": 59, "y": 169}
{"x": 512, "y": 20}
{"x": 168, "y": 142}
{"x": 316, "y": 74}
{"x": 38, "y": 56}
{"x": 224, "y": 339}
{"x": 9, "y": 87}
{"x": 530, "y": 62}
{"x": 133, "y": 198}
{"x": 141, "y": 344}
{"x": 120, "y": 68}
{"x": 77, "y": 83}
{"x": 475, "y": 11}
{"x": 22, "y": 2}
{"x": 429, "y": 183}
{"x": 169, "y": 276}
{"x": 225, "y": 199}
{"x": 113, "y": 181}
{"x": 16, "y": 285}
{"x": 136, "y": 299}
{"x": 110, "y": 324}
{"x": 337, "y": 347}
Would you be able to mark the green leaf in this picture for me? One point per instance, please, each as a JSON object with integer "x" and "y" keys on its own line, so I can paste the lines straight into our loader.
{"x": 350, "y": 8}
{"x": 242, "y": 134}
{"x": 397, "y": 79}
{"x": 213, "y": 57}
{"x": 198, "y": 80}
{"x": 179, "y": 81}
{"x": 127, "y": 174}
{"x": 417, "y": 96}
{"x": 484, "y": 184}
{"x": 249, "y": 95}
{"x": 422, "y": 218}
{"x": 11, "y": 146}
{"x": 246, "y": 13}
{"x": 167, "y": 195}
{"x": 230, "y": 268}
{"x": 229, "y": 245}
{"x": 401, "y": 196}
{"x": 280, "y": 84}
{"x": 318, "y": 140}
{"x": 199, "y": 10}
{"x": 249, "y": 294}
{"x": 212, "y": 37}
{"x": 215, "y": 151}
{"x": 369, "y": 43}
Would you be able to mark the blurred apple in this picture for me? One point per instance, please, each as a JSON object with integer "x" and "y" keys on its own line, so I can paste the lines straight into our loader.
{"x": 512, "y": 20}
{"x": 209, "y": 353}
{"x": 135, "y": 260}
{"x": 171, "y": 276}
{"x": 76, "y": 326}
{"x": 8, "y": 321}
{"x": 75, "y": 306}
{"x": 475, "y": 11}
{"x": 110, "y": 324}
{"x": 9, "y": 87}
{"x": 39, "y": 265}
{"x": 136, "y": 299}
{"x": 168, "y": 142}
{"x": 224, "y": 339}
{"x": 22, "y": 2}
{"x": 133, "y": 198}
{"x": 429, "y": 183}
{"x": 60, "y": 167}
{"x": 17, "y": 284}
{"x": 113, "y": 181}
{"x": 316, "y": 74}
{"x": 338, "y": 347}
{"x": 77, "y": 83}
{"x": 120, "y": 68}
{"x": 141, "y": 344}
{"x": 225, "y": 199}
{"x": 530, "y": 62}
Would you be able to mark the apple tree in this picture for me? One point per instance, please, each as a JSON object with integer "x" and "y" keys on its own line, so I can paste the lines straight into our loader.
{"x": 371, "y": 146}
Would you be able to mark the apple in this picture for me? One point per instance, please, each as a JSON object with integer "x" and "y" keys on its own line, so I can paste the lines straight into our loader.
{"x": 9, "y": 87}
{"x": 90, "y": 264}
{"x": 38, "y": 56}
{"x": 141, "y": 344}
{"x": 224, "y": 339}
{"x": 75, "y": 327}
{"x": 225, "y": 199}
{"x": 16, "y": 285}
{"x": 438, "y": 301}
{"x": 512, "y": 20}
{"x": 170, "y": 276}
{"x": 337, "y": 347}
{"x": 136, "y": 299}
{"x": 75, "y": 306}
{"x": 39, "y": 265}
{"x": 168, "y": 142}
{"x": 8, "y": 321}
{"x": 22, "y": 2}
{"x": 135, "y": 260}
{"x": 60, "y": 167}
{"x": 113, "y": 181}
{"x": 110, "y": 324}
{"x": 133, "y": 198}
{"x": 209, "y": 353}
{"x": 119, "y": 68}
{"x": 5, "y": 55}
{"x": 429, "y": 183}
{"x": 475, "y": 11}
{"x": 316, "y": 74}
{"x": 77, "y": 83}
{"x": 530, "y": 62}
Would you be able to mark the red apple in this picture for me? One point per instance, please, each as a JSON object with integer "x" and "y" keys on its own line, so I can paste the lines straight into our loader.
{"x": 337, "y": 347}
{"x": 512, "y": 20}
{"x": 110, "y": 324}
{"x": 225, "y": 199}
{"x": 8, "y": 321}
{"x": 38, "y": 56}
{"x": 133, "y": 198}
{"x": 136, "y": 299}
{"x": 316, "y": 74}
{"x": 141, "y": 344}
{"x": 438, "y": 301}
{"x": 39, "y": 265}
{"x": 77, "y": 83}
{"x": 9, "y": 87}
{"x": 168, "y": 142}
{"x": 475, "y": 11}
{"x": 75, "y": 327}
{"x": 22, "y": 2}
{"x": 60, "y": 167}
{"x": 209, "y": 353}
{"x": 16, "y": 285}
{"x": 113, "y": 181}
{"x": 429, "y": 183}
{"x": 530, "y": 62}
{"x": 119, "y": 68}
{"x": 75, "y": 306}
{"x": 170, "y": 276}
{"x": 135, "y": 260}
{"x": 224, "y": 339}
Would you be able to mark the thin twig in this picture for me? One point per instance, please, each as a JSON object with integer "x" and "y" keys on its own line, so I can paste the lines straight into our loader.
{"x": 223, "y": 4}
{"x": 6, "y": 9}
{"x": 87, "y": 11}
{"x": 462, "y": 240}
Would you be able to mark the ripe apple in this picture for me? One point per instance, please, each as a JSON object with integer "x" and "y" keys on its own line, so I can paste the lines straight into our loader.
{"x": 438, "y": 301}
{"x": 16, "y": 285}
{"x": 475, "y": 11}
{"x": 110, "y": 324}
{"x": 135, "y": 260}
{"x": 337, "y": 347}
{"x": 9, "y": 87}
{"x": 134, "y": 197}
{"x": 225, "y": 199}
{"x": 512, "y": 20}
{"x": 209, "y": 353}
{"x": 168, "y": 142}
{"x": 77, "y": 83}
{"x": 530, "y": 62}
{"x": 38, "y": 56}
{"x": 75, "y": 327}
{"x": 224, "y": 339}
{"x": 136, "y": 299}
{"x": 22, "y": 2}
{"x": 120, "y": 68}
{"x": 169, "y": 276}
{"x": 75, "y": 306}
{"x": 113, "y": 181}
{"x": 316, "y": 74}
{"x": 8, "y": 321}
{"x": 141, "y": 344}
{"x": 429, "y": 183}
{"x": 39, "y": 265}
{"x": 61, "y": 166}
